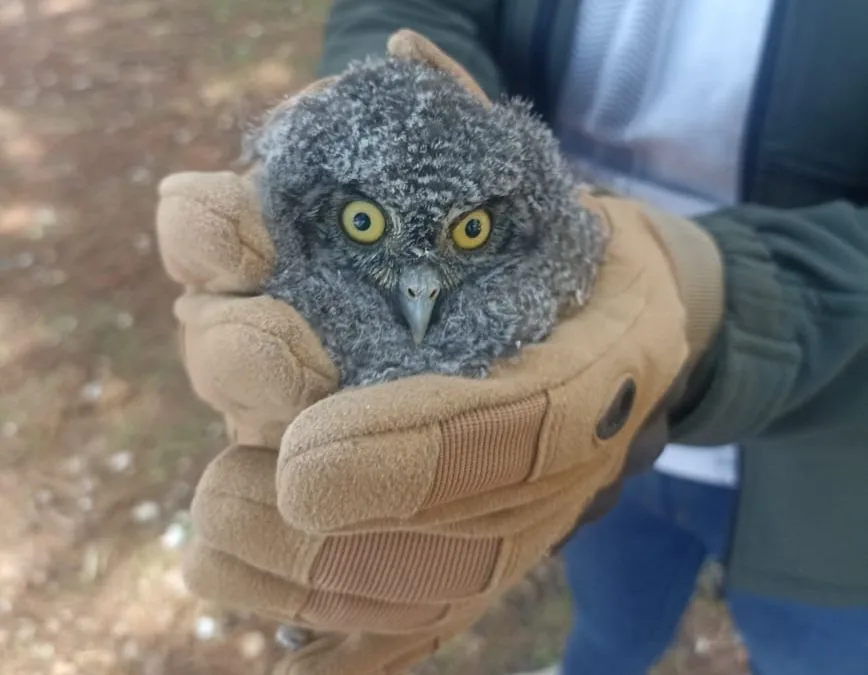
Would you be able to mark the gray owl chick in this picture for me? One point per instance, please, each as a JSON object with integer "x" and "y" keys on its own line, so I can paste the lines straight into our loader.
{"x": 416, "y": 229}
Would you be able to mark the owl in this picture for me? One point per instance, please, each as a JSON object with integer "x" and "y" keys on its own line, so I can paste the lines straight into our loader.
{"x": 417, "y": 229}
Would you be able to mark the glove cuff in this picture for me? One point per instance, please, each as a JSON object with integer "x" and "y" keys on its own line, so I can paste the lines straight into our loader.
{"x": 698, "y": 268}
{"x": 696, "y": 263}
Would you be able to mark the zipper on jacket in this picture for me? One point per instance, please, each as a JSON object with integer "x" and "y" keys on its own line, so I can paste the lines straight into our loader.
{"x": 537, "y": 82}
{"x": 760, "y": 102}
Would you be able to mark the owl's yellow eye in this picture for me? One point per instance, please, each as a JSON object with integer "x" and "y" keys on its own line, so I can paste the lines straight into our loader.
{"x": 363, "y": 221}
{"x": 473, "y": 230}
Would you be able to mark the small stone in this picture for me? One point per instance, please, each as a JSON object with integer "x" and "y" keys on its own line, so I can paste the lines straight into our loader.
{"x": 154, "y": 664}
{"x": 207, "y": 628}
{"x": 27, "y": 98}
{"x": 9, "y": 429}
{"x": 254, "y": 30}
{"x": 73, "y": 465}
{"x": 46, "y": 217}
{"x": 142, "y": 243}
{"x": 146, "y": 512}
{"x": 126, "y": 120}
{"x": 63, "y": 668}
{"x": 141, "y": 175}
{"x": 81, "y": 82}
{"x": 181, "y": 490}
{"x": 38, "y": 578}
{"x": 52, "y": 626}
{"x": 111, "y": 74}
{"x": 48, "y": 79}
{"x": 130, "y": 650}
{"x": 183, "y": 136}
{"x": 35, "y": 233}
{"x": 91, "y": 391}
{"x": 85, "y": 504}
{"x": 120, "y": 629}
{"x": 120, "y": 461}
{"x": 54, "y": 100}
{"x": 124, "y": 320}
{"x": 174, "y": 537}
{"x": 90, "y": 565}
{"x": 145, "y": 100}
{"x": 24, "y": 260}
{"x": 87, "y": 625}
{"x": 174, "y": 581}
{"x": 291, "y": 638}
{"x": 702, "y": 645}
{"x": 26, "y": 632}
{"x": 55, "y": 278}
{"x": 252, "y": 645}
{"x": 66, "y": 324}
{"x": 44, "y": 651}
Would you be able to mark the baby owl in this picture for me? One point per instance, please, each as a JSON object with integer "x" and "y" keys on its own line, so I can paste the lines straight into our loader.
{"x": 417, "y": 229}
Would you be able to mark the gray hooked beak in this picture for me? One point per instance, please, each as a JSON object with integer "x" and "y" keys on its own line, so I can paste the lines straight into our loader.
{"x": 418, "y": 290}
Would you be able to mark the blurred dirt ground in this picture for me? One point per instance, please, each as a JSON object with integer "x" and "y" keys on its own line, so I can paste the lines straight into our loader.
{"x": 101, "y": 440}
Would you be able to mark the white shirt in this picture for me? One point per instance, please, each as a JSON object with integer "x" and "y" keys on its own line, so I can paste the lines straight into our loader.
{"x": 655, "y": 106}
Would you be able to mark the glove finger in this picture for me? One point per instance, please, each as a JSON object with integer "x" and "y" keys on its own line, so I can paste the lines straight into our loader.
{"x": 479, "y": 460}
{"x": 234, "y": 514}
{"x": 210, "y": 233}
{"x": 407, "y": 446}
{"x": 503, "y": 512}
{"x": 253, "y": 359}
{"x": 224, "y": 579}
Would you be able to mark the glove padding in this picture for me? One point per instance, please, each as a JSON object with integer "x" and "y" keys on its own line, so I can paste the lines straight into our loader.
{"x": 393, "y": 515}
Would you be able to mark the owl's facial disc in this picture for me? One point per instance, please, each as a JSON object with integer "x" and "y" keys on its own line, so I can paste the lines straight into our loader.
{"x": 418, "y": 291}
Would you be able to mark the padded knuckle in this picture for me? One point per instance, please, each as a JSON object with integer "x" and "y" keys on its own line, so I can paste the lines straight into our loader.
{"x": 487, "y": 449}
{"x": 406, "y": 566}
{"x": 328, "y": 486}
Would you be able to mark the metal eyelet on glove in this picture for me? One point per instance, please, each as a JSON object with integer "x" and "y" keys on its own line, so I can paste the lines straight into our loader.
{"x": 616, "y": 416}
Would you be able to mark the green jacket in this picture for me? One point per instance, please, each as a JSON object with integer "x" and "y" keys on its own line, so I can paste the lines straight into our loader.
{"x": 787, "y": 377}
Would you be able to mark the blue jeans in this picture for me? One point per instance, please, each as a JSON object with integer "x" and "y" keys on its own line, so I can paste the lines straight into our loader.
{"x": 632, "y": 574}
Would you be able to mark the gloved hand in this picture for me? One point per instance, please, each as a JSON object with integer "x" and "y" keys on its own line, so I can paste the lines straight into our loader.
{"x": 387, "y": 518}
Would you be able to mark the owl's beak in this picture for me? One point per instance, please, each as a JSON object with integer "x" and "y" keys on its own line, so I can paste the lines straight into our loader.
{"x": 418, "y": 290}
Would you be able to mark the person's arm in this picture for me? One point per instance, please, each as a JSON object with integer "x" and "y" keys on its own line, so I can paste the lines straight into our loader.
{"x": 462, "y": 28}
{"x": 796, "y": 311}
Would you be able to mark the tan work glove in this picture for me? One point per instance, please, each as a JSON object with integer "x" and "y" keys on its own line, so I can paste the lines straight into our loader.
{"x": 394, "y": 514}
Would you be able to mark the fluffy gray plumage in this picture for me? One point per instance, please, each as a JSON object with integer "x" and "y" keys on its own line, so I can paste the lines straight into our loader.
{"x": 411, "y": 140}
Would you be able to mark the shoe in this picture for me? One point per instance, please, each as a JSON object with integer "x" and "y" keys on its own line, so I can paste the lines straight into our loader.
{"x": 551, "y": 670}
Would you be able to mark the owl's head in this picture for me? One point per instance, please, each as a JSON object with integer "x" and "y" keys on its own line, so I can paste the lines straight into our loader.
{"x": 404, "y": 180}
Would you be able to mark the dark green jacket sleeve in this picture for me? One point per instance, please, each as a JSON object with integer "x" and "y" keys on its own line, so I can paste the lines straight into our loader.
{"x": 360, "y": 28}
{"x": 795, "y": 319}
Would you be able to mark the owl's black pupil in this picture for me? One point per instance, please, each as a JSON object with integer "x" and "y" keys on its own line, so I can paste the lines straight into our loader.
{"x": 361, "y": 221}
{"x": 473, "y": 228}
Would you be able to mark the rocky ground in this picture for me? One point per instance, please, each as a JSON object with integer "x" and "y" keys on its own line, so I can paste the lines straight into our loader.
{"x": 101, "y": 439}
